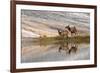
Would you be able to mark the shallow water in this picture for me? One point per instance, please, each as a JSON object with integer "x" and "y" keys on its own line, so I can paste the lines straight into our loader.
{"x": 37, "y": 52}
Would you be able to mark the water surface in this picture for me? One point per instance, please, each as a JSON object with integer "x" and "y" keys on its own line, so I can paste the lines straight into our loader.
{"x": 63, "y": 51}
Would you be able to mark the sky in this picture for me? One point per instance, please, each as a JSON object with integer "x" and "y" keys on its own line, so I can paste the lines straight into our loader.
{"x": 37, "y": 23}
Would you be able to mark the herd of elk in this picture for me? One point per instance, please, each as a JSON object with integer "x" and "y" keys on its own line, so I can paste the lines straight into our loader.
{"x": 68, "y": 30}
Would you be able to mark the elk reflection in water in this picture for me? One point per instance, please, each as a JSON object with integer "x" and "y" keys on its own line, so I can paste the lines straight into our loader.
{"x": 68, "y": 47}
{"x": 58, "y": 51}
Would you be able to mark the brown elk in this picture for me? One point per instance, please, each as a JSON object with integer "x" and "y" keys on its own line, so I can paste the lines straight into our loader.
{"x": 72, "y": 30}
{"x": 63, "y": 33}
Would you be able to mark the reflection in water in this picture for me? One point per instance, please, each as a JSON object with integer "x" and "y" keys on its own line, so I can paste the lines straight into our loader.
{"x": 68, "y": 47}
{"x": 56, "y": 51}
